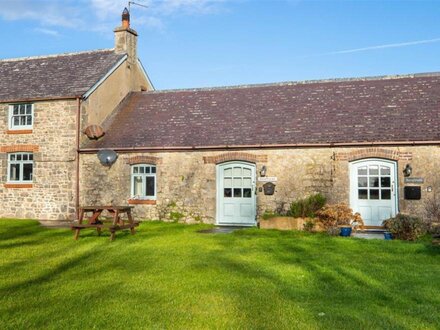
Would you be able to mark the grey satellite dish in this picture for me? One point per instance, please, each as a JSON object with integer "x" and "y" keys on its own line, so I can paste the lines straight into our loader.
{"x": 107, "y": 157}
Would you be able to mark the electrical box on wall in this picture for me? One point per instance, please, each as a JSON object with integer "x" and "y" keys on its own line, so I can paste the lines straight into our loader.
{"x": 413, "y": 192}
{"x": 269, "y": 188}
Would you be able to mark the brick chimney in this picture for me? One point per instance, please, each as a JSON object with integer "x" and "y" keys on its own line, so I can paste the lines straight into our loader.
{"x": 126, "y": 38}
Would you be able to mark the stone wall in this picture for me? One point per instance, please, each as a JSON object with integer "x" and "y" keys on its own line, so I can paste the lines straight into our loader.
{"x": 186, "y": 181}
{"x": 51, "y": 196}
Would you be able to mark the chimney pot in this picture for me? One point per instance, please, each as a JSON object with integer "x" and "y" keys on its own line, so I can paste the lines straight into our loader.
{"x": 126, "y": 19}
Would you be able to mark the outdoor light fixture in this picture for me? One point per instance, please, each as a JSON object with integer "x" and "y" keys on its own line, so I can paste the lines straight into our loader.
{"x": 263, "y": 170}
{"x": 107, "y": 157}
{"x": 407, "y": 170}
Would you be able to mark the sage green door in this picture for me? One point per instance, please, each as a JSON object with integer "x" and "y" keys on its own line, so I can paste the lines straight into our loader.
{"x": 236, "y": 199}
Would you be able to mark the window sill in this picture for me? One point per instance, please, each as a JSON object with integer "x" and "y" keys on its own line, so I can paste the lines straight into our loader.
{"x": 18, "y": 185}
{"x": 19, "y": 131}
{"x": 142, "y": 201}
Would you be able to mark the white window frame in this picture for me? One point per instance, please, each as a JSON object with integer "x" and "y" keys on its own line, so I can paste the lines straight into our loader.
{"x": 11, "y": 115}
{"x": 143, "y": 176}
{"x": 20, "y": 163}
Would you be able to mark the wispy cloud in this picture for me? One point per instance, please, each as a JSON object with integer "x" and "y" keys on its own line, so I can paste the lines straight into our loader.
{"x": 105, "y": 14}
{"x": 48, "y": 32}
{"x": 395, "y": 45}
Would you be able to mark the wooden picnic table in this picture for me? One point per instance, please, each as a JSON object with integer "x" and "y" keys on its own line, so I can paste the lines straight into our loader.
{"x": 94, "y": 221}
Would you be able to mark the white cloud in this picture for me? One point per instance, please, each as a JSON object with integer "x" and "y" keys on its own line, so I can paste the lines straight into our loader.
{"x": 48, "y": 32}
{"x": 394, "y": 45}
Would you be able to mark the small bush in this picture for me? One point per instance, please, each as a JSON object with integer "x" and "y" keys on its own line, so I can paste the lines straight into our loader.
{"x": 332, "y": 216}
{"x": 405, "y": 227}
{"x": 307, "y": 207}
{"x": 309, "y": 225}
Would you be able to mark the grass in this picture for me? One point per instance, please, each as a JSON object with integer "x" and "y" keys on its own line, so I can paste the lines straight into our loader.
{"x": 170, "y": 276}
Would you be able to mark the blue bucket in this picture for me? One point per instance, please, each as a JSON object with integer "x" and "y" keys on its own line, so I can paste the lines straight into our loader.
{"x": 387, "y": 235}
{"x": 345, "y": 231}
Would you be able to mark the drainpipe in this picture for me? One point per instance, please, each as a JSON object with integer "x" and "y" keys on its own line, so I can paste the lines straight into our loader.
{"x": 78, "y": 129}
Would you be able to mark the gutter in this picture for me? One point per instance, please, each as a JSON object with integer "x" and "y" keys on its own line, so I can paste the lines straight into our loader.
{"x": 108, "y": 74}
{"x": 40, "y": 99}
{"x": 262, "y": 146}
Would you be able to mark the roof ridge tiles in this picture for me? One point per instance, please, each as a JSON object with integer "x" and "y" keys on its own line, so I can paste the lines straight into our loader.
{"x": 299, "y": 82}
{"x": 17, "y": 59}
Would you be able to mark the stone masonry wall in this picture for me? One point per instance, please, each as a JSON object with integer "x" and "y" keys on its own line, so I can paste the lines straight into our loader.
{"x": 186, "y": 181}
{"x": 53, "y": 142}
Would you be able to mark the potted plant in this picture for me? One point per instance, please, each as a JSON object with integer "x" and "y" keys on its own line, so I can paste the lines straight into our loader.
{"x": 339, "y": 219}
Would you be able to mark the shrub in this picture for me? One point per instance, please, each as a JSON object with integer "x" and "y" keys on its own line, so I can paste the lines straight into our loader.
{"x": 432, "y": 213}
{"x": 309, "y": 225}
{"x": 307, "y": 207}
{"x": 334, "y": 215}
{"x": 405, "y": 227}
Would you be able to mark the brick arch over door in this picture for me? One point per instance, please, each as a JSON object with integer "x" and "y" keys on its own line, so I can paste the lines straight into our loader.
{"x": 373, "y": 153}
{"x": 231, "y": 156}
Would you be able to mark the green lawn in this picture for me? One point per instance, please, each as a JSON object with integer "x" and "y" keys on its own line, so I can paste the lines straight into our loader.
{"x": 170, "y": 276}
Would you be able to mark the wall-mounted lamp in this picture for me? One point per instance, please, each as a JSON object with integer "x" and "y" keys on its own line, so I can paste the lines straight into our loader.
{"x": 407, "y": 170}
{"x": 263, "y": 170}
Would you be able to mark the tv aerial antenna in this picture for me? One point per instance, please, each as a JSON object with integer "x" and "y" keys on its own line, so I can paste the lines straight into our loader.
{"x": 136, "y": 4}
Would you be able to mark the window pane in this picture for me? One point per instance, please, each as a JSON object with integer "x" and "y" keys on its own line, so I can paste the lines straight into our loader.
{"x": 374, "y": 193}
{"x": 25, "y": 157}
{"x": 228, "y": 172}
{"x": 27, "y": 172}
{"x": 385, "y": 182}
{"x": 374, "y": 170}
{"x": 247, "y": 172}
{"x": 227, "y": 183}
{"x": 22, "y": 120}
{"x": 149, "y": 186}
{"x": 237, "y": 192}
{"x": 384, "y": 170}
{"x": 12, "y": 157}
{"x": 141, "y": 169}
{"x": 374, "y": 181}
{"x": 363, "y": 193}
{"x": 237, "y": 182}
{"x": 16, "y": 121}
{"x": 135, "y": 169}
{"x": 29, "y": 120}
{"x": 362, "y": 170}
{"x": 153, "y": 169}
{"x": 31, "y": 157}
{"x": 247, "y": 182}
{"x": 362, "y": 181}
{"x": 22, "y": 110}
{"x": 28, "y": 109}
{"x": 137, "y": 186}
{"x": 147, "y": 169}
{"x": 386, "y": 194}
{"x": 237, "y": 171}
{"x": 227, "y": 192}
{"x": 247, "y": 192}
{"x": 19, "y": 157}
{"x": 15, "y": 111}
{"x": 14, "y": 172}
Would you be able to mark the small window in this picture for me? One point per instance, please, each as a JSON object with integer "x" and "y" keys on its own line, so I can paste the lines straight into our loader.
{"x": 20, "y": 167}
{"x": 143, "y": 181}
{"x": 21, "y": 116}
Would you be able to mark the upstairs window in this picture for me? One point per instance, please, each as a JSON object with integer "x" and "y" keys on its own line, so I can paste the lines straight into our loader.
{"x": 20, "y": 167}
{"x": 21, "y": 116}
{"x": 143, "y": 181}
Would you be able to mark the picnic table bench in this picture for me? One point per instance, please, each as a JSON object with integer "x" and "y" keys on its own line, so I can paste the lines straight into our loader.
{"x": 113, "y": 223}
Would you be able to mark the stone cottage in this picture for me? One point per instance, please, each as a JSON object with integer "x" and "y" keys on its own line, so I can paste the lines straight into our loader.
{"x": 217, "y": 155}
{"x": 45, "y": 104}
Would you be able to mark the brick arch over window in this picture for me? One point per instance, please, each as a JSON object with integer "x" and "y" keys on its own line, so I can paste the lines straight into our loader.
{"x": 143, "y": 160}
{"x": 229, "y": 156}
{"x": 373, "y": 153}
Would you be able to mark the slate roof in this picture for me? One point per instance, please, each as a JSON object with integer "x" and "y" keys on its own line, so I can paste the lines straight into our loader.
{"x": 350, "y": 111}
{"x": 54, "y": 76}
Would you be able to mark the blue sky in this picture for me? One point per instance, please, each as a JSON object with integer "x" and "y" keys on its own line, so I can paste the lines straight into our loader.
{"x": 198, "y": 43}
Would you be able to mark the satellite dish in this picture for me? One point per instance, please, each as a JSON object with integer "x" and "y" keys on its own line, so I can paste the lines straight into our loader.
{"x": 107, "y": 157}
